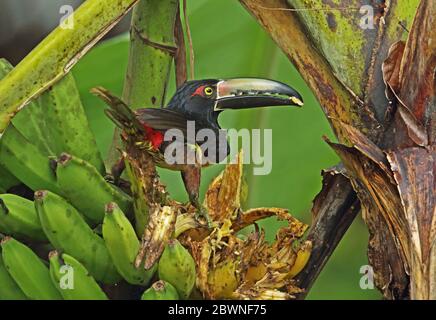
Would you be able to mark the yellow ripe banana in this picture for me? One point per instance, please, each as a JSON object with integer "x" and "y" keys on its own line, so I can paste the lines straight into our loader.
{"x": 18, "y": 218}
{"x": 9, "y": 290}
{"x": 222, "y": 280}
{"x": 28, "y": 271}
{"x": 303, "y": 256}
{"x": 72, "y": 279}
{"x": 84, "y": 187}
{"x": 160, "y": 290}
{"x": 123, "y": 245}
{"x": 177, "y": 267}
{"x": 255, "y": 273}
{"x": 68, "y": 232}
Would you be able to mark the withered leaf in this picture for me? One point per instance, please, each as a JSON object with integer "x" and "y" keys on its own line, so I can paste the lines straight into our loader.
{"x": 394, "y": 77}
{"x": 414, "y": 170}
{"x": 201, "y": 252}
{"x": 391, "y": 68}
{"x": 380, "y": 206}
{"x": 222, "y": 199}
{"x": 230, "y": 267}
{"x": 250, "y": 216}
{"x": 159, "y": 230}
{"x": 234, "y": 268}
{"x": 374, "y": 180}
{"x": 261, "y": 294}
{"x": 417, "y": 72}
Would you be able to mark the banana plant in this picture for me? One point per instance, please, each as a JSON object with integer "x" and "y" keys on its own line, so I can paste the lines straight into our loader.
{"x": 58, "y": 200}
{"x": 93, "y": 235}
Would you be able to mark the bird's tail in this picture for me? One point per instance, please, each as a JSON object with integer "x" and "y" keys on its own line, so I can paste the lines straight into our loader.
{"x": 118, "y": 111}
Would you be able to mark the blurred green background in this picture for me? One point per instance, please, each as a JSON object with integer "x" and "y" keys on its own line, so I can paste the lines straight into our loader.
{"x": 229, "y": 43}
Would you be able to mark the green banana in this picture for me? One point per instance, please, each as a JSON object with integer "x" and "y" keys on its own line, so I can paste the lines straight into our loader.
{"x": 9, "y": 290}
{"x": 177, "y": 267}
{"x": 160, "y": 290}
{"x": 18, "y": 218}
{"x": 30, "y": 120}
{"x": 25, "y": 161}
{"x": 7, "y": 180}
{"x": 67, "y": 124}
{"x": 28, "y": 271}
{"x": 72, "y": 279}
{"x": 68, "y": 232}
{"x": 31, "y": 123}
{"x": 86, "y": 189}
{"x": 123, "y": 245}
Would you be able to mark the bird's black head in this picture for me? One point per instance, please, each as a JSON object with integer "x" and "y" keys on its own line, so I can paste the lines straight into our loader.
{"x": 203, "y": 100}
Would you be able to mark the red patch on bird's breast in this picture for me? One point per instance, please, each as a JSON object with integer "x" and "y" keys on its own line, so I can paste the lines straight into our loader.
{"x": 155, "y": 137}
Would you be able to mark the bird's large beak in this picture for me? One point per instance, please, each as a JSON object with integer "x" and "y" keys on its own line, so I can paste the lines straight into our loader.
{"x": 245, "y": 93}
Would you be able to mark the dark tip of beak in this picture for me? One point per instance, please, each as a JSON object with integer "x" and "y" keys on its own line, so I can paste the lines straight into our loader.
{"x": 244, "y": 93}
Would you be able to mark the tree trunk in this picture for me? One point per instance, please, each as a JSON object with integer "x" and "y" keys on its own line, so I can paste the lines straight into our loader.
{"x": 379, "y": 96}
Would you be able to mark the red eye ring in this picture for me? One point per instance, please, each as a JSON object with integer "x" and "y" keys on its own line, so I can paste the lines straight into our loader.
{"x": 199, "y": 91}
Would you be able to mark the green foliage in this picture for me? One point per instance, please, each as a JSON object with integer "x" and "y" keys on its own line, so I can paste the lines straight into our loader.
{"x": 57, "y": 53}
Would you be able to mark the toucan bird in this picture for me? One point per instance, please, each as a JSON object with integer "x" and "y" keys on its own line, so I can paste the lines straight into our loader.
{"x": 199, "y": 101}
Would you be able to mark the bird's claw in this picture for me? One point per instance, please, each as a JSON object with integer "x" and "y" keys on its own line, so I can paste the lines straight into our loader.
{"x": 203, "y": 218}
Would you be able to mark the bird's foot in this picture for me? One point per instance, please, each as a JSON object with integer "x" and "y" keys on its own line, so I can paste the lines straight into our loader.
{"x": 202, "y": 216}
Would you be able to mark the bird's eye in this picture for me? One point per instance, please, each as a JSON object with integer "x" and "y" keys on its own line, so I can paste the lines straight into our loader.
{"x": 208, "y": 91}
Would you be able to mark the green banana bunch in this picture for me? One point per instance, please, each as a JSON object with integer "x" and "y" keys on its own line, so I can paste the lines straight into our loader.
{"x": 68, "y": 232}
{"x": 72, "y": 279}
{"x": 18, "y": 218}
{"x": 28, "y": 271}
{"x": 30, "y": 120}
{"x": 177, "y": 266}
{"x": 160, "y": 290}
{"x": 86, "y": 189}
{"x": 123, "y": 245}
{"x": 25, "y": 161}
{"x": 67, "y": 124}
{"x": 9, "y": 290}
{"x": 56, "y": 122}
{"x": 31, "y": 123}
{"x": 7, "y": 180}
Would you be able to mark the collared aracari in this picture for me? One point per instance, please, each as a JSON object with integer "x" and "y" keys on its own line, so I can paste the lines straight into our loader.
{"x": 200, "y": 101}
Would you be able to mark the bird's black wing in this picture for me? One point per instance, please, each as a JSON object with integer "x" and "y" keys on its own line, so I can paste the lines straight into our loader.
{"x": 118, "y": 111}
{"x": 162, "y": 119}
{"x": 165, "y": 119}
{"x": 155, "y": 118}
{"x": 125, "y": 118}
